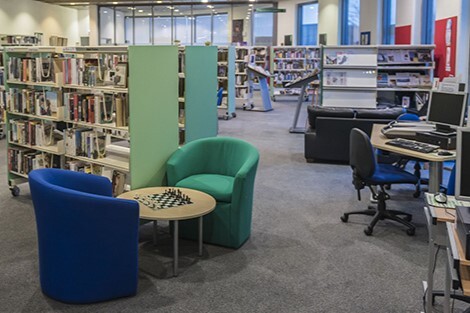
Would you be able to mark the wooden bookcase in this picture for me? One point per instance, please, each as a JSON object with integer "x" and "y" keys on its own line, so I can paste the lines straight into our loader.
{"x": 98, "y": 106}
{"x": 3, "y": 97}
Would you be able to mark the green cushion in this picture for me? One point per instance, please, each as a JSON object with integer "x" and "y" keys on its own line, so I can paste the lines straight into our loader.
{"x": 218, "y": 186}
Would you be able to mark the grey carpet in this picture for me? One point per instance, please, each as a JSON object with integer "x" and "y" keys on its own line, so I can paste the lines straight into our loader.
{"x": 300, "y": 257}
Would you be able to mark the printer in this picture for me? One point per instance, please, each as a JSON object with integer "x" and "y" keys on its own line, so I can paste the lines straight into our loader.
{"x": 405, "y": 129}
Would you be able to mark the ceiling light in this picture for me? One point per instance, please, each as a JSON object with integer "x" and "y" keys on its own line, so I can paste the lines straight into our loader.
{"x": 140, "y": 11}
{"x": 73, "y": 3}
{"x": 204, "y": 1}
{"x": 176, "y": 10}
{"x": 149, "y": 14}
{"x": 210, "y": 6}
{"x": 159, "y": 1}
{"x": 115, "y": 2}
{"x": 250, "y": 5}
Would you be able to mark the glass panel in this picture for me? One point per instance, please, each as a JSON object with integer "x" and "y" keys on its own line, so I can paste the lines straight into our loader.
{"x": 124, "y": 26}
{"x": 353, "y": 22}
{"x": 182, "y": 24}
{"x": 263, "y": 28}
{"x": 106, "y": 26}
{"x": 143, "y": 25}
{"x": 308, "y": 27}
{"x": 162, "y": 25}
{"x": 221, "y": 29}
{"x": 203, "y": 29}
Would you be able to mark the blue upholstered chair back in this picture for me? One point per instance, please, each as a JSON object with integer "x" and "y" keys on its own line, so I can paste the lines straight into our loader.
{"x": 408, "y": 117}
{"x": 88, "y": 240}
{"x": 361, "y": 154}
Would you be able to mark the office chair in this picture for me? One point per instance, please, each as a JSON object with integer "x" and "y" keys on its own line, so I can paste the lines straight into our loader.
{"x": 367, "y": 173}
{"x": 220, "y": 96}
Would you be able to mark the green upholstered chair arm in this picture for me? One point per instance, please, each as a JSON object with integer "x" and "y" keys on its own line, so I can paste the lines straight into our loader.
{"x": 185, "y": 162}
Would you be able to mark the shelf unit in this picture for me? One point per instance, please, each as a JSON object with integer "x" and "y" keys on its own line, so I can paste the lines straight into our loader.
{"x": 197, "y": 92}
{"x": 99, "y": 110}
{"x": 349, "y": 76}
{"x": 3, "y": 95}
{"x": 364, "y": 76}
{"x": 226, "y": 77}
{"x": 289, "y": 63}
{"x": 405, "y": 74}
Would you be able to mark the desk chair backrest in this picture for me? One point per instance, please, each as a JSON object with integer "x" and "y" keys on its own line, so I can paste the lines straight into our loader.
{"x": 408, "y": 117}
{"x": 220, "y": 94}
{"x": 361, "y": 154}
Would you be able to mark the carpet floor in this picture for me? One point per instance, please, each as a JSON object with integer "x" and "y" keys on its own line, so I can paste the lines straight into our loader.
{"x": 300, "y": 256}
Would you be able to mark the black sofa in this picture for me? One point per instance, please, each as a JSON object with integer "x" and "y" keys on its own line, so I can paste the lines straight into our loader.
{"x": 327, "y": 137}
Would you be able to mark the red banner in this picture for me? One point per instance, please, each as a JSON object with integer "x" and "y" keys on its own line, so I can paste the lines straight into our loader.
{"x": 445, "y": 38}
{"x": 403, "y": 35}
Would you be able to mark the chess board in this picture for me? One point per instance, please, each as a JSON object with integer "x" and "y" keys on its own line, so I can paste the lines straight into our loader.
{"x": 160, "y": 201}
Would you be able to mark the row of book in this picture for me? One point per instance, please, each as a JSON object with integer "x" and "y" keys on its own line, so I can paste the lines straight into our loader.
{"x": 406, "y": 80}
{"x": 106, "y": 70}
{"x": 118, "y": 179}
{"x": 241, "y": 80}
{"x": 293, "y": 65}
{"x": 241, "y": 54}
{"x": 240, "y": 67}
{"x": 285, "y": 77}
{"x": 289, "y": 54}
{"x": 31, "y": 101}
{"x": 23, "y": 160}
{"x": 222, "y": 70}
{"x": 240, "y": 93}
{"x": 86, "y": 142}
{"x": 404, "y": 56}
{"x": 222, "y": 56}
{"x": 96, "y": 108}
{"x": 31, "y": 69}
{"x": 32, "y": 132}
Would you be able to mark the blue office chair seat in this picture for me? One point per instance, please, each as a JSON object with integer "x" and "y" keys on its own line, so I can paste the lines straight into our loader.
{"x": 367, "y": 173}
{"x": 388, "y": 174}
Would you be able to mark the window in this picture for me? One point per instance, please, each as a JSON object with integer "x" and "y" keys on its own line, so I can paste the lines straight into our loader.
{"x": 106, "y": 26}
{"x": 389, "y": 21}
{"x": 220, "y": 30}
{"x": 350, "y": 28}
{"x": 263, "y": 29}
{"x": 124, "y": 26}
{"x": 162, "y": 26}
{"x": 307, "y": 32}
{"x": 427, "y": 21}
{"x": 203, "y": 29}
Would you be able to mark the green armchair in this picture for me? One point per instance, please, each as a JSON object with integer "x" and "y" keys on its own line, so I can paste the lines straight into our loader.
{"x": 225, "y": 168}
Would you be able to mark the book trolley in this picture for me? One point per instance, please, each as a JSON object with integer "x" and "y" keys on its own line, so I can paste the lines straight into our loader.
{"x": 111, "y": 111}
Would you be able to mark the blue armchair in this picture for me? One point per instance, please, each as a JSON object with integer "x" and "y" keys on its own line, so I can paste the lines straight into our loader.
{"x": 88, "y": 240}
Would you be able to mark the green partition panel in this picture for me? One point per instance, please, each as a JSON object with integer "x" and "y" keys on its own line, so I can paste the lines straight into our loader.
{"x": 200, "y": 92}
{"x": 153, "y": 99}
{"x": 231, "y": 80}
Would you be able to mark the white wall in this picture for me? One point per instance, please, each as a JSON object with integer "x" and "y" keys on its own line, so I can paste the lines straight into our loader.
{"x": 25, "y": 17}
{"x": 83, "y": 22}
{"x": 93, "y": 16}
{"x": 371, "y": 20}
{"x": 287, "y": 22}
{"x": 409, "y": 13}
{"x": 328, "y": 20}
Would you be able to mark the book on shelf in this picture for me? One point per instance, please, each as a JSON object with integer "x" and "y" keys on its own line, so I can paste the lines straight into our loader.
{"x": 382, "y": 80}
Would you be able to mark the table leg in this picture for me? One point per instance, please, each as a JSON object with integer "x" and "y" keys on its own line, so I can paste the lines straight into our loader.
{"x": 435, "y": 176}
{"x": 200, "y": 235}
{"x": 430, "y": 282}
{"x": 175, "y": 248}
{"x": 154, "y": 232}
{"x": 447, "y": 287}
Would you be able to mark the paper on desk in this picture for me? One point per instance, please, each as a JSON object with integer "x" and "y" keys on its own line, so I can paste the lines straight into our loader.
{"x": 450, "y": 204}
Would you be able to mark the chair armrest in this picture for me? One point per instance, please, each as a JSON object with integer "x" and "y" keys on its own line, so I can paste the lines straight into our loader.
{"x": 184, "y": 162}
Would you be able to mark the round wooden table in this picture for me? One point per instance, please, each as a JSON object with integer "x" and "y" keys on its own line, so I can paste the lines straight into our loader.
{"x": 201, "y": 205}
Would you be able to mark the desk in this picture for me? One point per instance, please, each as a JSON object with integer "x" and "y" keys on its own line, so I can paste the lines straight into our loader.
{"x": 457, "y": 269}
{"x": 202, "y": 205}
{"x": 379, "y": 141}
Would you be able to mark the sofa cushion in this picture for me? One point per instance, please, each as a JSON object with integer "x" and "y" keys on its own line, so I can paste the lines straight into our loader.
{"x": 218, "y": 186}
{"x": 388, "y": 114}
{"x": 315, "y": 111}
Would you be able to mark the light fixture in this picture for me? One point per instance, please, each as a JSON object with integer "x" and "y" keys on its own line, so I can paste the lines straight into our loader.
{"x": 210, "y": 6}
{"x": 204, "y": 1}
{"x": 140, "y": 11}
{"x": 176, "y": 10}
{"x": 159, "y": 1}
{"x": 115, "y": 3}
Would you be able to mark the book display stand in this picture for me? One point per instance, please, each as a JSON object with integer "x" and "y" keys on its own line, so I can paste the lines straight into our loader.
{"x": 261, "y": 75}
{"x": 302, "y": 83}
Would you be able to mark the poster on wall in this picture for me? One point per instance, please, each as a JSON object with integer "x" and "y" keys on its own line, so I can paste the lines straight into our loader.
{"x": 237, "y": 31}
{"x": 365, "y": 38}
{"x": 445, "y": 38}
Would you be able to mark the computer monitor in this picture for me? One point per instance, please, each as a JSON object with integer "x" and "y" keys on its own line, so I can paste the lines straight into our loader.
{"x": 447, "y": 111}
{"x": 462, "y": 166}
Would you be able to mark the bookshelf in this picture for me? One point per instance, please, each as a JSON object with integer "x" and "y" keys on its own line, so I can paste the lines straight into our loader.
{"x": 19, "y": 40}
{"x": 289, "y": 63}
{"x": 226, "y": 77}
{"x": 241, "y": 76}
{"x": 405, "y": 74}
{"x": 34, "y": 111}
{"x": 349, "y": 76}
{"x": 117, "y": 114}
{"x": 3, "y": 97}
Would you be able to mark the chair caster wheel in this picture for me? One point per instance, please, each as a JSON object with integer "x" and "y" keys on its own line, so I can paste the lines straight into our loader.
{"x": 368, "y": 231}
{"x": 410, "y": 232}
{"x": 15, "y": 191}
{"x": 408, "y": 218}
{"x": 416, "y": 194}
{"x": 388, "y": 187}
{"x": 234, "y": 115}
{"x": 344, "y": 218}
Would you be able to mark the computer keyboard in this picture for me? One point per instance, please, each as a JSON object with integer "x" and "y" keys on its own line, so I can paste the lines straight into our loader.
{"x": 412, "y": 145}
